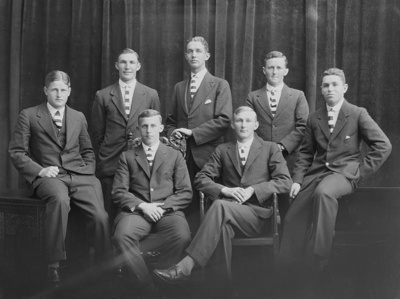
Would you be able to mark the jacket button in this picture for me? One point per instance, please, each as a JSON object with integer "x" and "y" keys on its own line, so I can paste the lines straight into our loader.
{"x": 327, "y": 163}
{"x": 151, "y": 189}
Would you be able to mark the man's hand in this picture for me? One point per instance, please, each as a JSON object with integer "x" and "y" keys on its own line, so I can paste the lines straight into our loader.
{"x": 49, "y": 172}
{"x": 294, "y": 190}
{"x": 152, "y": 211}
{"x": 178, "y": 133}
{"x": 240, "y": 195}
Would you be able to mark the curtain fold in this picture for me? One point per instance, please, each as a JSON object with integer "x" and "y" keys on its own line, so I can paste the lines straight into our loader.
{"x": 83, "y": 37}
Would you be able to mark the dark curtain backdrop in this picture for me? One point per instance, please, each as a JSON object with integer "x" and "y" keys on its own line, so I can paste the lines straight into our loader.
{"x": 82, "y": 38}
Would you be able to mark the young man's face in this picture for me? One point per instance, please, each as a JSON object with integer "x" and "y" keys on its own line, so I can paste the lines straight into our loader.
{"x": 196, "y": 56}
{"x": 275, "y": 71}
{"x": 57, "y": 94}
{"x": 244, "y": 124}
{"x": 150, "y": 129}
{"x": 333, "y": 89}
{"x": 127, "y": 66}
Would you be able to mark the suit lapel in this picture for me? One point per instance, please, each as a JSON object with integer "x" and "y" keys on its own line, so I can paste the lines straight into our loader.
{"x": 233, "y": 155}
{"x": 342, "y": 119}
{"x": 137, "y": 100}
{"x": 142, "y": 160}
{"x": 160, "y": 157}
{"x": 323, "y": 122}
{"x": 46, "y": 122}
{"x": 182, "y": 93}
{"x": 70, "y": 121}
{"x": 116, "y": 97}
{"x": 283, "y": 101}
{"x": 263, "y": 100}
{"x": 204, "y": 89}
{"x": 255, "y": 150}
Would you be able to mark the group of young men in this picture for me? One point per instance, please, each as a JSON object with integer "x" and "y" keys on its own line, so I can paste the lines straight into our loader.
{"x": 147, "y": 193}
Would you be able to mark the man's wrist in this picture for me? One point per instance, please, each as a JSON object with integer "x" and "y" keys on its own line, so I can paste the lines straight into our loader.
{"x": 281, "y": 147}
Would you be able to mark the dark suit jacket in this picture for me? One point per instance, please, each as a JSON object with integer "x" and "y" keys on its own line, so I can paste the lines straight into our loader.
{"x": 265, "y": 170}
{"x": 110, "y": 127}
{"x": 168, "y": 182}
{"x": 35, "y": 145}
{"x": 340, "y": 151}
{"x": 209, "y": 117}
{"x": 288, "y": 125}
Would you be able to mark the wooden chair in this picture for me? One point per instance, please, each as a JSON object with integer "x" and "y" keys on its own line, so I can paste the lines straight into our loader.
{"x": 271, "y": 236}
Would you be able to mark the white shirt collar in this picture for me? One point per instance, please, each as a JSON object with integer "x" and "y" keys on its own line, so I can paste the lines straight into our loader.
{"x": 246, "y": 144}
{"x": 122, "y": 84}
{"x": 200, "y": 75}
{"x": 337, "y": 107}
{"x": 53, "y": 110}
{"x": 277, "y": 88}
{"x": 154, "y": 147}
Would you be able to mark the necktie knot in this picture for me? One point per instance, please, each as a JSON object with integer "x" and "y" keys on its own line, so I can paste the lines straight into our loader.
{"x": 58, "y": 120}
{"x": 242, "y": 154}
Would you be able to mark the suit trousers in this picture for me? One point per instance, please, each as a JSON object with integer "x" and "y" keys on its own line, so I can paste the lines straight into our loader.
{"x": 85, "y": 192}
{"x": 134, "y": 234}
{"x": 218, "y": 229}
{"x": 310, "y": 221}
{"x": 106, "y": 185}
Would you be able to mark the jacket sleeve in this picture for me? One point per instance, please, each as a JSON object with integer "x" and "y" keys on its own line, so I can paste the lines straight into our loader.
{"x": 378, "y": 143}
{"x": 19, "y": 149}
{"x": 98, "y": 122}
{"x": 306, "y": 154}
{"x": 292, "y": 141}
{"x": 85, "y": 146}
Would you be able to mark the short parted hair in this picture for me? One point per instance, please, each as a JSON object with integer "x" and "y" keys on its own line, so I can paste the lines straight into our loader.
{"x": 149, "y": 113}
{"x": 127, "y": 51}
{"x": 57, "y": 76}
{"x": 336, "y": 72}
{"x": 243, "y": 109}
{"x": 199, "y": 39}
{"x": 273, "y": 54}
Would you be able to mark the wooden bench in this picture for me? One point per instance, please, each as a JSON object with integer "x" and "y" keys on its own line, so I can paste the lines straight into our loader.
{"x": 22, "y": 242}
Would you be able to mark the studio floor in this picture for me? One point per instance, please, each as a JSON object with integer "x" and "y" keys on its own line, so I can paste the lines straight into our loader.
{"x": 364, "y": 272}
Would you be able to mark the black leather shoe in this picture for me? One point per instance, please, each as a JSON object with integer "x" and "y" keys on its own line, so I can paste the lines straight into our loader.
{"x": 53, "y": 277}
{"x": 173, "y": 275}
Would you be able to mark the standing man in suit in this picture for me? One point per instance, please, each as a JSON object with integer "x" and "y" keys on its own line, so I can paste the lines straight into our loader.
{"x": 114, "y": 119}
{"x": 329, "y": 166}
{"x": 51, "y": 148}
{"x": 242, "y": 175}
{"x": 151, "y": 188}
{"x": 200, "y": 110}
{"x": 282, "y": 111}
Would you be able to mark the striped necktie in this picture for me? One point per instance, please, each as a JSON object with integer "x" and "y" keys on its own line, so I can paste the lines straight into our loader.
{"x": 272, "y": 101}
{"x": 193, "y": 86}
{"x": 57, "y": 120}
{"x": 330, "y": 120}
{"x": 150, "y": 156}
{"x": 242, "y": 155}
{"x": 127, "y": 99}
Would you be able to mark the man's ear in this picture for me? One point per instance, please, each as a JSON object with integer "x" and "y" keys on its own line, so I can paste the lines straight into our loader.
{"x": 45, "y": 90}
{"x": 256, "y": 125}
{"x": 138, "y": 66}
{"x": 161, "y": 128}
{"x": 345, "y": 87}
{"x": 232, "y": 124}
{"x": 286, "y": 72}
{"x": 208, "y": 55}
{"x": 116, "y": 65}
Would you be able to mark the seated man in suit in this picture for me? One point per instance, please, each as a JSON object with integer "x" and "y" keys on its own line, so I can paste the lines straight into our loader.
{"x": 329, "y": 166}
{"x": 249, "y": 170}
{"x": 51, "y": 148}
{"x": 151, "y": 188}
{"x": 282, "y": 111}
